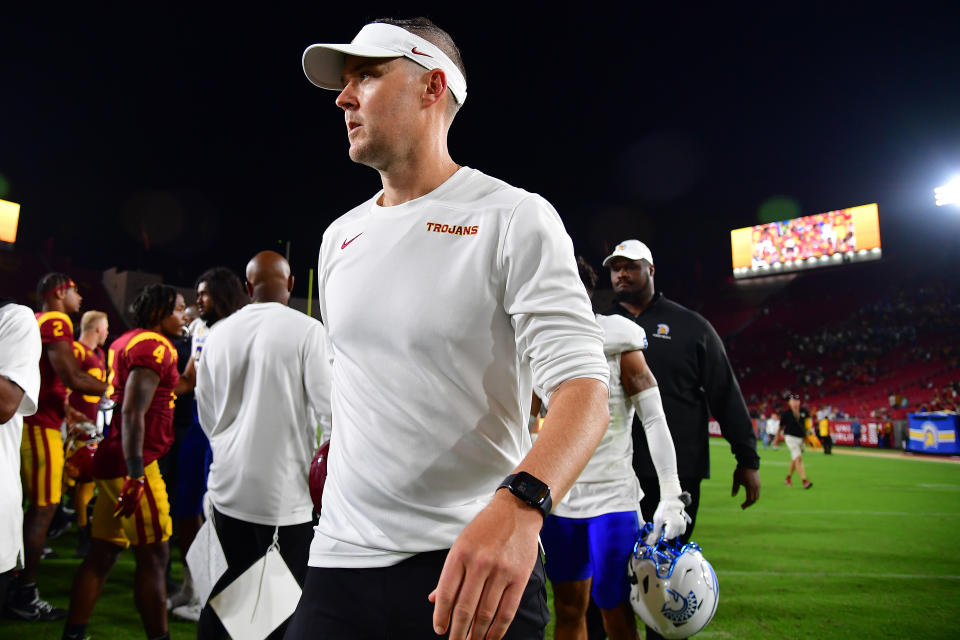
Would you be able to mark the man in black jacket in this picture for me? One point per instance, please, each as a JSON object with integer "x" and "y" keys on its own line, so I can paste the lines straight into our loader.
{"x": 696, "y": 380}
{"x": 688, "y": 359}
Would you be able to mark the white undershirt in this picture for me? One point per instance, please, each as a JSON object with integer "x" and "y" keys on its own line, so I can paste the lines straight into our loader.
{"x": 262, "y": 391}
{"x": 441, "y": 313}
{"x": 21, "y": 349}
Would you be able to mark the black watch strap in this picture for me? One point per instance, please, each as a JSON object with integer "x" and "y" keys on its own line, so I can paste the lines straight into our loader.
{"x": 529, "y": 489}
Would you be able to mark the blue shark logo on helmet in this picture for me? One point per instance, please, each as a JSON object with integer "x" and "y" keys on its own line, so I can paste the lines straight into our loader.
{"x": 687, "y": 606}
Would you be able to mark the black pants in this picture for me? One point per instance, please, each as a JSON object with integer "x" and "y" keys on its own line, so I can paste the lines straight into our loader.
{"x": 390, "y": 603}
{"x": 243, "y": 544}
{"x": 827, "y": 444}
{"x": 5, "y": 579}
{"x": 648, "y": 506}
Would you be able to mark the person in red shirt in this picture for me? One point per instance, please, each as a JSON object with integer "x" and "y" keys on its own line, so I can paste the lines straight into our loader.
{"x": 132, "y": 508}
{"x": 41, "y": 449}
{"x": 82, "y": 418}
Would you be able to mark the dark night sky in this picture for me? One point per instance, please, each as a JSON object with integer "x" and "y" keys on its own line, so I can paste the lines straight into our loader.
{"x": 197, "y": 125}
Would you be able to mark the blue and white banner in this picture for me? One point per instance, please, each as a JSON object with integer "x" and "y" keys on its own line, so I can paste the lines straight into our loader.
{"x": 934, "y": 433}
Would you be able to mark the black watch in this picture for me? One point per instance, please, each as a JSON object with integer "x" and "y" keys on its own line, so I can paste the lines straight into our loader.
{"x": 532, "y": 491}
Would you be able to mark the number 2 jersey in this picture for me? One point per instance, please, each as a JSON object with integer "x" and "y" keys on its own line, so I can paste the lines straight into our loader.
{"x": 55, "y": 326}
{"x": 148, "y": 349}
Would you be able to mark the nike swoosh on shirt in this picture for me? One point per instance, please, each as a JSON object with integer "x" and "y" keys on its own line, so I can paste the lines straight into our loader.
{"x": 346, "y": 242}
{"x": 420, "y": 53}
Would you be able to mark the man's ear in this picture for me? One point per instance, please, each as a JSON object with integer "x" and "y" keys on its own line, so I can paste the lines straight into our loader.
{"x": 290, "y": 283}
{"x": 249, "y": 289}
{"x": 436, "y": 87}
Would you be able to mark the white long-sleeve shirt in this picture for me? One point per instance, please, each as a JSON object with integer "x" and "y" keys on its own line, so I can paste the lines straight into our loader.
{"x": 441, "y": 312}
{"x": 20, "y": 352}
{"x": 262, "y": 392}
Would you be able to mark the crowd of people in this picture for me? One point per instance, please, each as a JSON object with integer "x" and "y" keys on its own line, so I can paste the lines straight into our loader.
{"x": 437, "y": 491}
{"x": 860, "y": 354}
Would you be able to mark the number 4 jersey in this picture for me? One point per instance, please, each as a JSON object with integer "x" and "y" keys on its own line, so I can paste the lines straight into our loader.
{"x": 150, "y": 350}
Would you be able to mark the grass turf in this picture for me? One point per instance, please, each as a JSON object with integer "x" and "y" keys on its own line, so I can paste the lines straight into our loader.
{"x": 869, "y": 552}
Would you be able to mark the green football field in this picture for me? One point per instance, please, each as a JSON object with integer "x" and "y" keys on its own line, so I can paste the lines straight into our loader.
{"x": 871, "y": 551}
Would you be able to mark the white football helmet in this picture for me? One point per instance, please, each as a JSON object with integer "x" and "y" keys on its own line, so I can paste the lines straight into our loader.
{"x": 672, "y": 587}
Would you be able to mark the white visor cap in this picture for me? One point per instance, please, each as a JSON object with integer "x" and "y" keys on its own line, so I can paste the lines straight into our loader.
{"x": 631, "y": 250}
{"x": 323, "y": 63}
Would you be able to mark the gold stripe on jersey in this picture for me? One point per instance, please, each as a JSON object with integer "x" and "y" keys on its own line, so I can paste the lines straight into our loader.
{"x": 56, "y": 315}
{"x": 150, "y": 335}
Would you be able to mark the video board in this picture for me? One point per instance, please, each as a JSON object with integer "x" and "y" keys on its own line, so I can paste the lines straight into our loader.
{"x": 821, "y": 240}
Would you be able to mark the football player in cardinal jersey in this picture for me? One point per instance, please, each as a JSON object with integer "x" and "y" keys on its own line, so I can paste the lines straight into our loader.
{"x": 82, "y": 417}
{"x": 132, "y": 508}
{"x": 41, "y": 450}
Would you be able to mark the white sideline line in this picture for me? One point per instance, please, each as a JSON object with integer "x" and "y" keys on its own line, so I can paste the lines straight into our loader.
{"x": 822, "y": 574}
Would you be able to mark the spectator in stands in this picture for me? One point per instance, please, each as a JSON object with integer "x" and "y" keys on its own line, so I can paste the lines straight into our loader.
{"x": 791, "y": 424}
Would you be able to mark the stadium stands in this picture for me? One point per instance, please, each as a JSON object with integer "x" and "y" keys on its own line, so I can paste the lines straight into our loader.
{"x": 868, "y": 341}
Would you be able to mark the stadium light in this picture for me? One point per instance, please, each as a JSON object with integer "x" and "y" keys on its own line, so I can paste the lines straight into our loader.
{"x": 9, "y": 217}
{"x": 948, "y": 193}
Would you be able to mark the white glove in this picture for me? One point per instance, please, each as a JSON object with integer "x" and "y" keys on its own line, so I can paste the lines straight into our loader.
{"x": 669, "y": 519}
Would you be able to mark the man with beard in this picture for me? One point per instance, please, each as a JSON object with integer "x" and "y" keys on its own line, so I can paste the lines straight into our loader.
{"x": 696, "y": 381}
{"x": 219, "y": 294}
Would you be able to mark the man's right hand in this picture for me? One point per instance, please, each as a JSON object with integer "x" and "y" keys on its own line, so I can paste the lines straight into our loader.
{"x": 130, "y": 495}
{"x": 750, "y": 480}
{"x": 487, "y": 570}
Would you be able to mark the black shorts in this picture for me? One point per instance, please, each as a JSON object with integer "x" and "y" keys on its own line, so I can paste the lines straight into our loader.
{"x": 390, "y": 603}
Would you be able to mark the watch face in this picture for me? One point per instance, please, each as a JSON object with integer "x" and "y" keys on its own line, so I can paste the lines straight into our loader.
{"x": 531, "y": 488}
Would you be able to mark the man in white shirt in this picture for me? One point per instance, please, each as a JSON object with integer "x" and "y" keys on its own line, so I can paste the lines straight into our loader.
{"x": 262, "y": 392}
{"x": 478, "y": 299}
{"x": 20, "y": 350}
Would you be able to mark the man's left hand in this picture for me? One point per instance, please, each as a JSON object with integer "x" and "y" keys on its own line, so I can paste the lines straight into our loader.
{"x": 487, "y": 570}
{"x": 750, "y": 479}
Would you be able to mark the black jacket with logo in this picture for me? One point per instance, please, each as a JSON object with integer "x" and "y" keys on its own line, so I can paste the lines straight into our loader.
{"x": 688, "y": 359}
